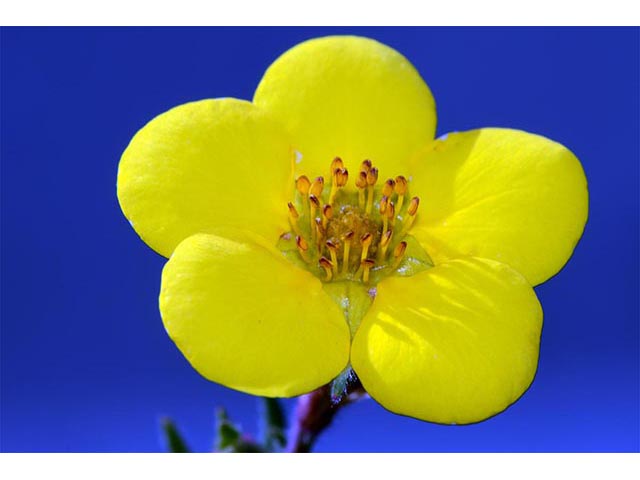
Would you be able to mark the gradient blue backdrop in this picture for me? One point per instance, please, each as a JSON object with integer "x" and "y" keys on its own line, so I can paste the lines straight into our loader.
{"x": 86, "y": 364}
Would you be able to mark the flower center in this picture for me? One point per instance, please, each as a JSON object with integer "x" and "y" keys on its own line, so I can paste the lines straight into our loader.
{"x": 357, "y": 234}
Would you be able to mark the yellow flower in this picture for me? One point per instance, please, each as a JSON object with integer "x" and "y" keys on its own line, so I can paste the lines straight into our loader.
{"x": 420, "y": 279}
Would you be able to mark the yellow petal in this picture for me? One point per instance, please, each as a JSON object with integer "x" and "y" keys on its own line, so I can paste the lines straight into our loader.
{"x": 203, "y": 164}
{"x": 502, "y": 194}
{"x": 351, "y": 97}
{"x": 457, "y": 343}
{"x": 248, "y": 319}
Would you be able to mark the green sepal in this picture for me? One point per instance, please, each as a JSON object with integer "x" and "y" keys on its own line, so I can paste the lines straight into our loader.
{"x": 175, "y": 442}
{"x": 339, "y": 384}
{"x": 354, "y": 298}
{"x": 415, "y": 259}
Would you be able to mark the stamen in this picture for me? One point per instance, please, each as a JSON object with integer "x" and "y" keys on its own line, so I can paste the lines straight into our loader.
{"x": 332, "y": 225}
{"x": 342, "y": 176}
{"x": 293, "y": 218}
{"x": 384, "y": 244}
{"x": 361, "y": 183}
{"x": 372, "y": 178}
{"x": 319, "y": 234}
{"x": 387, "y": 188}
{"x": 366, "y": 266}
{"x": 302, "y": 185}
{"x": 384, "y": 202}
{"x": 347, "y": 247}
{"x": 412, "y": 209}
{"x": 303, "y": 246}
{"x": 400, "y": 189}
{"x": 333, "y": 251}
{"x": 398, "y": 253}
{"x": 365, "y": 241}
{"x": 413, "y": 206}
{"x": 391, "y": 213}
{"x": 317, "y": 186}
{"x": 328, "y": 268}
{"x": 314, "y": 204}
{"x": 327, "y": 214}
{"x": 339, "y": 180}
{"x": 336, "y": 163}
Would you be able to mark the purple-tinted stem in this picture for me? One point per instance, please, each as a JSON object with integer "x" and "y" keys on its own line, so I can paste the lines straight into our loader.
{"x": 315, "y": 412}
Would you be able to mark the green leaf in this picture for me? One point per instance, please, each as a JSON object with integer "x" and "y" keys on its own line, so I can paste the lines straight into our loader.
{"x": 273, "y": 424}
{"x": 175, "y": 442}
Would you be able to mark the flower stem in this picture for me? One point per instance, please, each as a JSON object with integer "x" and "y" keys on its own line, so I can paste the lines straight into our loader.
{"x": 315, "y": 412}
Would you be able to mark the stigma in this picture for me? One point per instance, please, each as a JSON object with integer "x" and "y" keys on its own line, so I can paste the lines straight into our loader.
{"x": 351, "y": 232}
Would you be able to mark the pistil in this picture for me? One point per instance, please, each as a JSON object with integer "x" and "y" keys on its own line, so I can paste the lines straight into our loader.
{"x": 347, "y": 247}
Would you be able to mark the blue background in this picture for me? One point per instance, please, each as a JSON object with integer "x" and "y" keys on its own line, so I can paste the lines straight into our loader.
{"x": 86, "y": 364}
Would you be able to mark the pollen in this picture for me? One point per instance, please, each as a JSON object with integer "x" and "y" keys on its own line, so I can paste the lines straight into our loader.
{"x": 351, "y": 232}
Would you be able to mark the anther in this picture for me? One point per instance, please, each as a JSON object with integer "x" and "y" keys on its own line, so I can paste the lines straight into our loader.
{"x": 333, "y": 251}
{"x": 339, "y": 179}
{"x": 316, "y": 186}
{"x": 347, "y": 247}
{"x": 367, "y": 264}
{"x": 327, "y": 214}
{"x": 413, "y": 206}
{"x": 384, "y": 202}
{"x": 314, "y": 204}
{"x": 292, "y": 211}
{"x": 328, "y": 268}
{"x": 314, "y": 201}
{"x": 365, "y": 241}
{"x": 302, "y": 185}
{"x": 342, "y": 175}
{"x": 293, "y": 218}
{"x": 372, "y": 178}
{"x": 398, "y": 253}
{"x": 412, "y": 209}
{"x": 365, "y": 166}
{"x": 387, "y": 188}
{"x": 400, "y": 189}
{"x": 391, "y": 213}
{"x": 384, "y": 244}
{"x": 361, "y": 184}
{"x": 303, "y": 246}
{"x": 336, "y": 163}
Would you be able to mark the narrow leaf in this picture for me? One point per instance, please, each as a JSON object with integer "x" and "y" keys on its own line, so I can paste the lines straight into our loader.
{"x": 175, "y": 442}
{"x": 227, "y": 434}
{"x": 273, "y": 424}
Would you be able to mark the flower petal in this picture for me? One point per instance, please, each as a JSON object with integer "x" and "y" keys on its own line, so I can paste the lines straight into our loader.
{"x": 248, "y": 319}
{"x": 351, "y": 97}
{"x": 456, "y": 343}
{"x": 203, "y": 164}
{"x": 502, "y": 194}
